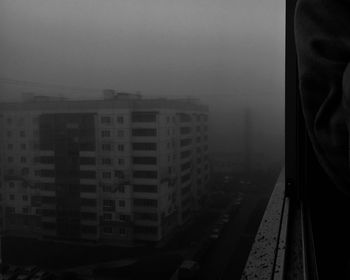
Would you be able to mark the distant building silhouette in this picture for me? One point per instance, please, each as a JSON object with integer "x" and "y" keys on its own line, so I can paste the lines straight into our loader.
{"x": 117, "y": 170}
{"x": 248, "y": 142}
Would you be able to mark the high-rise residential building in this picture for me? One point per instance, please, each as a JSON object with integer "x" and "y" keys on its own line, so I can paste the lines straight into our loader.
{"x": 118, "y": 170}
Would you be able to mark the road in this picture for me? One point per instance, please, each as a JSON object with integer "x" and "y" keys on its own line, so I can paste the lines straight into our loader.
{"x": 231, "y": 250}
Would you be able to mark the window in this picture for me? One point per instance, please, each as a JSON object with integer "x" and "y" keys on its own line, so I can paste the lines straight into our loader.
{"x": 12, "y": 197}
{"x": 106, "y": 120}
{"x": 88, "y": 216}
{"x": 144, "y": 146}
{"x": 23, "y": 146}
{"x": 11, "y": 184}
{"x": 106, "y": 161}
{"x": 186, "y": 154}
{"x": 186, "y": 166}
{"x": 107, "y": 216}
{"x": 46, "y": 159}
{"x": 47, "y": 173}
{"x": 9, "y": 159}
{"x": 146, "y": 216}
{"x": 119, "y": 174}
{"x": 88, "y": 229}
{"x": 107, "y": 175}
{"x": 121, "y": 203}
{"x": 22, "y": 133}
{"x": 87, "y": 174}
{"x": 87, "y": 161}
{"x": 143, "y": 202}
{"x": 120, "y": 133}
{"x": 184, "y": 117}
{"x": 10, "y": 171}
{"x": 25, "y": 210}
{"x": 9, "y": 133}
{"x": 105, "y": 133}
{"x": 108, "y": 230}
{"x": 144, "y": 132}
{"x": 122, "y": 231}
{"x": 10, "y": 210}
{"x": 23, "y": 159}
{"x": 9, "y": 121}
{"x": 88, "y": 202}
{"x": 25, "y": 171}
{"x": 88, "y": 188}
{"x": 146, "y": 229}
{"x": 107, "y": 188}
{"x": 120, "y": 119}
{"x": 45, "y": 186}
{"x": 106, "y": 147}
{"x": 10, "y": 146}
{"x": 185, "y": 130}
{"x": 120, "y": 147}
{"x": 121, "y": 161}
{"x": 185, "y": 178}
{"x": 108, "y": 205}
{"x": 143, "y": 116}
{"x": 145, "y": 174}
{"x": 124, "y": 218}
{"x": 185, "y": 142}
{"x": 145, "y": 188}
{"x": 144, "y": 160}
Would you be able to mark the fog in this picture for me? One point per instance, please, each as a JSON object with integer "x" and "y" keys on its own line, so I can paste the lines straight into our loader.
{"x": 230, "y": 54}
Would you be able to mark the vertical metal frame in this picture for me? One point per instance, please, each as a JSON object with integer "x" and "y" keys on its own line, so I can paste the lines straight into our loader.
{"x": 292, "y": 106}
{"x": 297, "y": 148}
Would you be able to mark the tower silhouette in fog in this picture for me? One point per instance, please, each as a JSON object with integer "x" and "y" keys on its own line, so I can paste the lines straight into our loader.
{"x": 248, "y": 142}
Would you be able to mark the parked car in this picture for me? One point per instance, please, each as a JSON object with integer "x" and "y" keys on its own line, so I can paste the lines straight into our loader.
{"x": 12, "y": 273}
{"x": 188, "y": 270}
{"x": 215, "y": 233}
{"x": 41, "y": 275}
{"x": 27, "y": 272}
{"x": 225, "y": 220}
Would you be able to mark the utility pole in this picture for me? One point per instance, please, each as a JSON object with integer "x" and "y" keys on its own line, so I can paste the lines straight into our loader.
{"x": 248, "y": 142}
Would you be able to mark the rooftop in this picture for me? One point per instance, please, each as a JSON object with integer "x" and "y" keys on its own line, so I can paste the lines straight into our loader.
{"x": 111, "y": 100}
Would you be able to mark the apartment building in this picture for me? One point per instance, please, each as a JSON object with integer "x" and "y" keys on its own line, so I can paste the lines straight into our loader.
{"x": 118, "y": 170}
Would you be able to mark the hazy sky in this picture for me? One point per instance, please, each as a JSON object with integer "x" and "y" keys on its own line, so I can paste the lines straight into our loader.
{"x": 229, "y": 53}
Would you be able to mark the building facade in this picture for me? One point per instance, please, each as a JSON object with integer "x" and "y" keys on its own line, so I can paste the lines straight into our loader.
{"x": 118, "y": 170}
